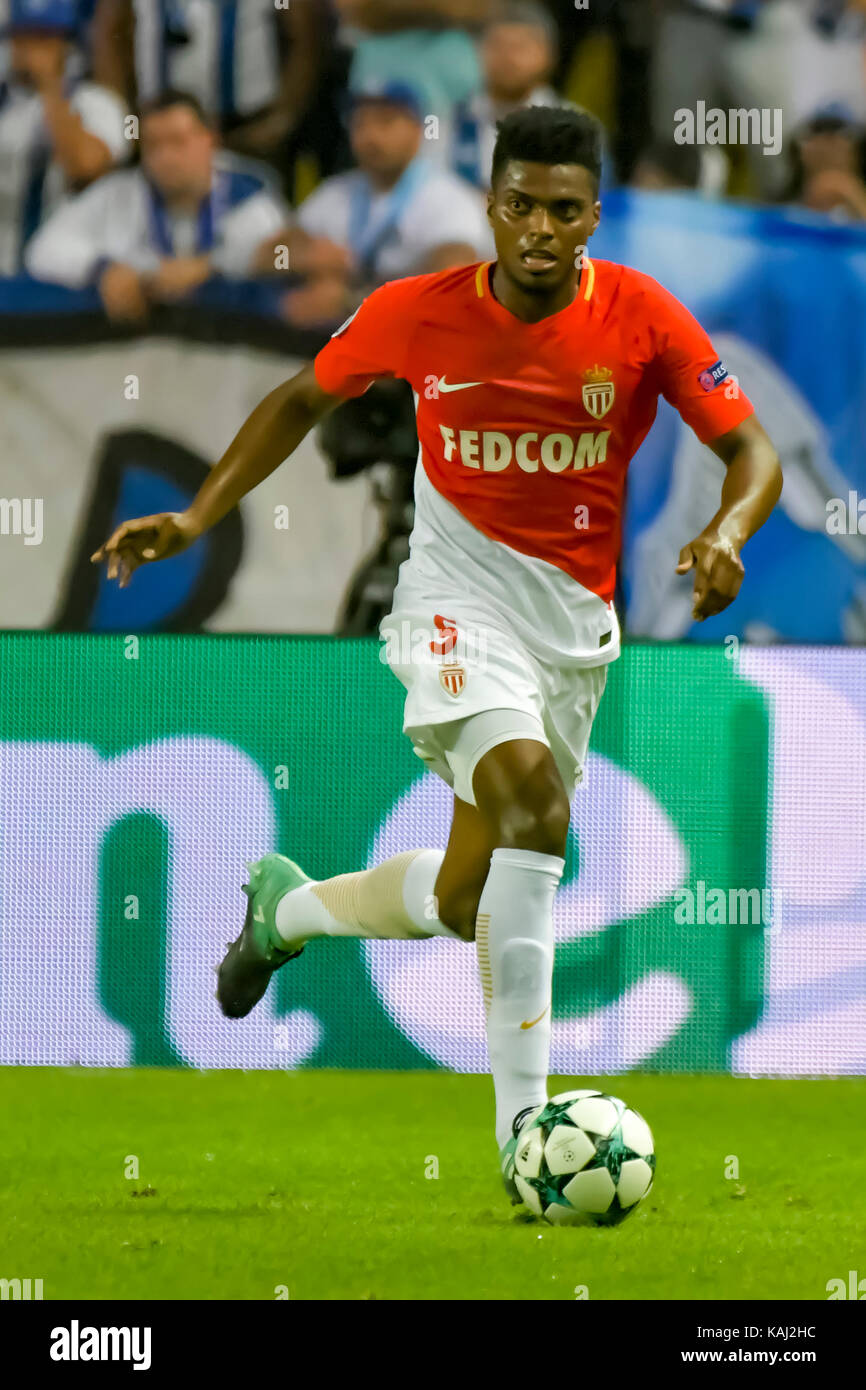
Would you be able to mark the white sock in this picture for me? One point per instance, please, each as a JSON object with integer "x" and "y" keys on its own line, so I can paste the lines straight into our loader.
{"x": 394, "y": 901}
{"x": 514, "y": 937}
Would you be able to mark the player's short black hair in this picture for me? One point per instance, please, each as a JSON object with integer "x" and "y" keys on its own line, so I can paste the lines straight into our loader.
{"x": 549, "y": 135}
{"x": 172, "y": 96}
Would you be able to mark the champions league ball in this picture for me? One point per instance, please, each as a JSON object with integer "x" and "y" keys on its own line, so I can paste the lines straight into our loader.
{"x": 584, "y": 1158}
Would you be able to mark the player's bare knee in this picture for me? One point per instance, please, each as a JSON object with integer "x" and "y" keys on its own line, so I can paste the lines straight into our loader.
{"x": 542, "y": 827}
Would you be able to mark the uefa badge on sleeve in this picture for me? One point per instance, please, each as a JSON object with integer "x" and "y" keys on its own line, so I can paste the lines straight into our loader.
{"x": 710, "y": 378}
{"x": 598, "y": 391}
{"x": 452, "y": 678}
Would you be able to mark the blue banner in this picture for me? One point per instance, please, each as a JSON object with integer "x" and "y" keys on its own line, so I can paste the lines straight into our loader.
{"x": 783, "y": 295}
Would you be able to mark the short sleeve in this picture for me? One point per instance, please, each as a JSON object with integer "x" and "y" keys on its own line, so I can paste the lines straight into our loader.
{"x": 371, "y": 344}
{"x": 692, "y": 376}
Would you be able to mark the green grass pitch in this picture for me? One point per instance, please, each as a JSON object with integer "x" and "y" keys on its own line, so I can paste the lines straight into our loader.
{"x": 316, "y": 1183}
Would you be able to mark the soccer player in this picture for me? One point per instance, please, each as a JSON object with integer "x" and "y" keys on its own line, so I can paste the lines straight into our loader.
{"x": 536, "y": 377}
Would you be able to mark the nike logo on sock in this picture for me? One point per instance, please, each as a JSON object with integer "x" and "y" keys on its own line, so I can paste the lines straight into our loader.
{"x": 536, "y": 1020}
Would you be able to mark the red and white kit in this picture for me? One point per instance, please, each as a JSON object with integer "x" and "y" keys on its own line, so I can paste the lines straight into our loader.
{"x": 526, "y": 432}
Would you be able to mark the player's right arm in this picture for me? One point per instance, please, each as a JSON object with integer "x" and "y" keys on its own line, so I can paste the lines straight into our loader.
{"x": 368, "y": 346}
{"x": 273, "y": 431}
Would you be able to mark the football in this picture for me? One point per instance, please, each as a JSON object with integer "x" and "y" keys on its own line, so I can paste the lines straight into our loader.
{"x": 584, "y": 1158}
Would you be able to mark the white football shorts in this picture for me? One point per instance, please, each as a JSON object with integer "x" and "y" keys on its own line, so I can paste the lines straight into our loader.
{"x": 471, "y": 684}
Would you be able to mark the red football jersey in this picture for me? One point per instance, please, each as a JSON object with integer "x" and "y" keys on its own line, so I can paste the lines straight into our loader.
{"x": 528, "y": 428}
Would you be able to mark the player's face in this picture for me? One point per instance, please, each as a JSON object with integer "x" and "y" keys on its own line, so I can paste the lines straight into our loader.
{"x": 384, "y": 137}
{"x": 541, "y": 214}
{"x": 176, "y": 151}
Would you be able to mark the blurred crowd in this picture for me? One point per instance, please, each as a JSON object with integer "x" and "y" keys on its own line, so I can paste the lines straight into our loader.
{"x": 147, "y": 146}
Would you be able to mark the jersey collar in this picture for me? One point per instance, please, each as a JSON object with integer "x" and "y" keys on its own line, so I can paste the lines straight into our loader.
{"x": 484, "y": 292}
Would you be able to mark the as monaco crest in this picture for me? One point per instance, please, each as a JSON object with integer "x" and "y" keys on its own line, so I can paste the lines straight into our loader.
{"x": 452, "y": 678}
{"x": 598, "y": 393}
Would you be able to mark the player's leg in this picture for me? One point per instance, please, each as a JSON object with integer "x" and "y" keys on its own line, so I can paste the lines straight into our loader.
{"x": 505, "y": 859}
{"x": 523, "y": 788}
{"x": 464, "y": 869}
{"x": 521, "y": 795}
{"x": 413, "y": 895}
{"x": 416, "y": 894}
{"x": 397, "y": 900}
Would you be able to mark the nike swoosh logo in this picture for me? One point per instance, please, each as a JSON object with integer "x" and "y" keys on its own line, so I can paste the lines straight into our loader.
{"x": 536, "y": 1020}
{"x": 445, "y": 387}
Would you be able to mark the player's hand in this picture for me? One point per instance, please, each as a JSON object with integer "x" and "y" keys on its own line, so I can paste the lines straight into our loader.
{"x": 145, "y": 540}
{"x": 718, "y": 572}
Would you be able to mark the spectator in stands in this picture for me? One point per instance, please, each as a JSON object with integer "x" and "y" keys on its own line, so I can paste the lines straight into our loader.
{"x": 426, "y": 43}
{"x": 829, "y": 173}
{"x": 396, "y": 214}
{"x": 252, "y": 65}
{"x": 57, "y": 133}
{"x": 518, "y": 55}
{"x": 157, "y": 232}
{"x": 787, "y": 55}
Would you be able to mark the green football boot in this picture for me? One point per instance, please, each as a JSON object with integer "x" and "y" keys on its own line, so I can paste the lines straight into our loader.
{"x": 508, "y": 1151}
{"x": 247, "y": 966}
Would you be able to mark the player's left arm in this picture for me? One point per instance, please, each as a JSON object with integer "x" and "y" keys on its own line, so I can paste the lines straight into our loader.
{"x": 709, "y": 399}
{"x": 752, "y": 487}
